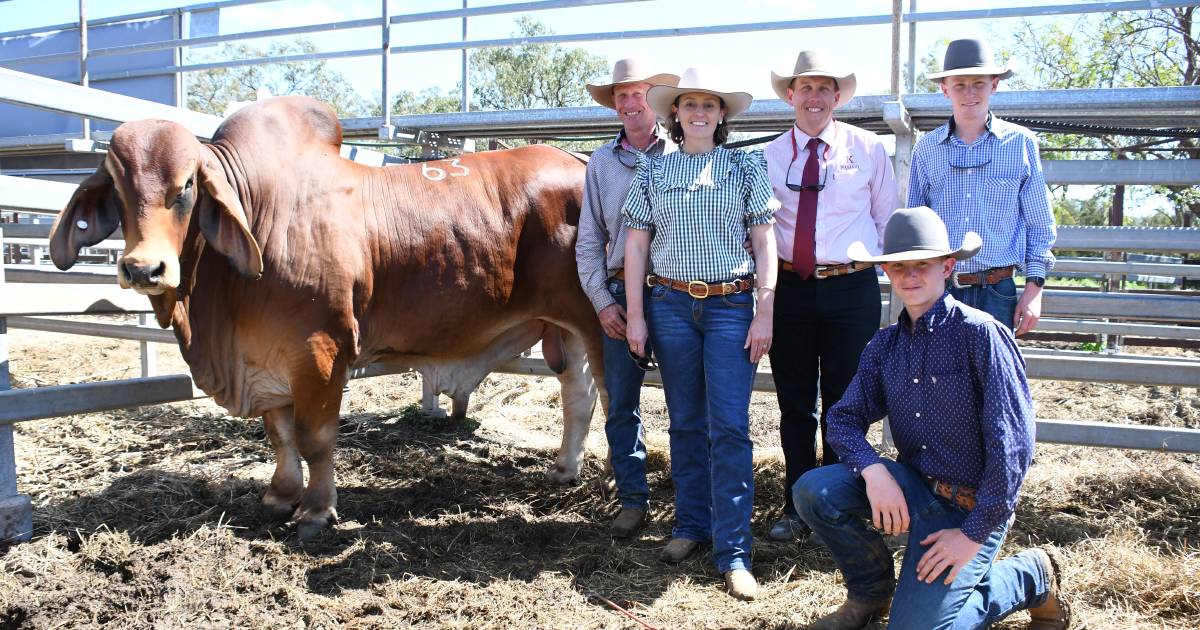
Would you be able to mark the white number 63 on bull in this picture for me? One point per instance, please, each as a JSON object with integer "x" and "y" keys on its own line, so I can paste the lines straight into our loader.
{"x": 436, "y": 174}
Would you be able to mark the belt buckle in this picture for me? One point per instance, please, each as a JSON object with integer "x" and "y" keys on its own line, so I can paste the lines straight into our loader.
{"x": 729, "y": 288}
{"x": 651, "y": 280}
{"x": 819, "y": 273}
{"x": 697, "y": 283}
{"x": 955, "y": 282}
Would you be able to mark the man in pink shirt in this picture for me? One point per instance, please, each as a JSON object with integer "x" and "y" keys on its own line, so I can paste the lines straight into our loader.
{"x": 836, "y": 186}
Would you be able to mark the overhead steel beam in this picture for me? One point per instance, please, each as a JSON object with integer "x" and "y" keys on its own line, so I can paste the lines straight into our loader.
{"x": 1126, "y": 107}
{"x": 65, "y": 98}
{"x": 1129, "y": 172}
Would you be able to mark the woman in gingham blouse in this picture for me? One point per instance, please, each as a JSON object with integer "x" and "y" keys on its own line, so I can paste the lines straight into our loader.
{"x": 691, "y": 212}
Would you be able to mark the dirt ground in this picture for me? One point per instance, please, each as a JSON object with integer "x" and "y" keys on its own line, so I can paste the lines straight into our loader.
{"x": 149, "y": 517}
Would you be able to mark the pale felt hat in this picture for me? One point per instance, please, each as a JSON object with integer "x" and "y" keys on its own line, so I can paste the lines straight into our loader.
{"x": 631, "y": 70}
{"x": 916, "y": 234}
{"x": 661, "y": 97}
{"x": 816, "y": 63}
{"x": 970, "y": 57}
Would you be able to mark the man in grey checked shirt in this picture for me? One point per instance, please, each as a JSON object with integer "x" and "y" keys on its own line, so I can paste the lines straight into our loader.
{"x": 983, "y": 174}
{"x": 600, "y": 256}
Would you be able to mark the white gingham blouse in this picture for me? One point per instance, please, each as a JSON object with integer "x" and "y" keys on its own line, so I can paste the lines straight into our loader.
{"x": 700, "y": 208}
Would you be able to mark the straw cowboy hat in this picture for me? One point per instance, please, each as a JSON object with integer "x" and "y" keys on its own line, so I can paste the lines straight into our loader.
{"x": 969, "y": 57}
{"x": 661, "y": 97}
{"x": 815, "y": 63}
{"x": 916, "y": 234}
{"x": 631, "y": 70}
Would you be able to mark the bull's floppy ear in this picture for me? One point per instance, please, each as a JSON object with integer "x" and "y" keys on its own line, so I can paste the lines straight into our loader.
{"x": 223, "y": 221}
{"x": 92, "y": 215}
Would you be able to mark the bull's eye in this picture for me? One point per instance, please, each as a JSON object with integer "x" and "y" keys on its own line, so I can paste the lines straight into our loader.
{"x": 181, "y": 198}
{"x": 188, "y": 185}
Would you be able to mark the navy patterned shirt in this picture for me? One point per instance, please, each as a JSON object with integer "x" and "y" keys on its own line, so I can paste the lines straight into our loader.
{"x": 954, "y": 390}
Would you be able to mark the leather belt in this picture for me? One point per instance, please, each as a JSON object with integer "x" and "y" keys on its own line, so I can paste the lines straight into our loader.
{"x": 828, "y": 271}
{"x": 620, "y": 275}
{"x": 962, "y": 496}
{"x": 701, "y": 290}
{"x": 985, "y": 277}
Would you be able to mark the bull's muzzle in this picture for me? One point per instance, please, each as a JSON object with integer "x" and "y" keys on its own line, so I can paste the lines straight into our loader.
{"x": 148, "y": 276}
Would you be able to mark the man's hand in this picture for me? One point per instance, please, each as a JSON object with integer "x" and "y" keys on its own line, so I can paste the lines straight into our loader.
{"x": 612, "y": 319}
{"x": 889, "y": 511}
{"x": 1029, "y": 310}
{"x": 948, "y": 549}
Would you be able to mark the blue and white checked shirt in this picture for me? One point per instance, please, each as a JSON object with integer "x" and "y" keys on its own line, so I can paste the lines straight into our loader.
{"x": 954, "y": 390}
{"x": 700, "y": 208}
{"x": 993, "y": 187}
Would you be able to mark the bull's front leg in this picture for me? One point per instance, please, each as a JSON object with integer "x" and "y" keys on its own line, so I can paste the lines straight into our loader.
{"x": 317, "y": 396}
{"x": 579, "y": 389}
{"x": 287, "y": 484}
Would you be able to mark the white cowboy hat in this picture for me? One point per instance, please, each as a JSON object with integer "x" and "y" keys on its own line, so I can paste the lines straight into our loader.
{"x": 815, "y": 63}
{"x": 969, "y": 57}
{"x": 916, "y": 234}
{"x": 661, "y": 97}
{"x": 631, "y": 70}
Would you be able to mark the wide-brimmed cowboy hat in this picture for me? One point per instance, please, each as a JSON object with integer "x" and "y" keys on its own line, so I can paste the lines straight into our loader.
{"x": 916, "y": 234}
{"x": 631, "y": 70}
{"x": 661, "y": 97}
{"x": 815, "y": 63}
{"x": 969, "y": 57}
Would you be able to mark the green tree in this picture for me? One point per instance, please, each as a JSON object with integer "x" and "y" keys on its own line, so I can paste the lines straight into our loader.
{"x": 1132, "y": 49}
{"x": 532, "y": 76}
{"x": 212, "y": 90}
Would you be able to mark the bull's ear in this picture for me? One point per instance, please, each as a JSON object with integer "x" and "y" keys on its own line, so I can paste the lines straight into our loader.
{"x": 223, "y": 221}
{"x": 92, "y": 215}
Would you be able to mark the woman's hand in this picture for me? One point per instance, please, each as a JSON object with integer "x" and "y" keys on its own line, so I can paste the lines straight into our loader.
{"x": 758, "y": 340}
{"x": 635, "y": 333}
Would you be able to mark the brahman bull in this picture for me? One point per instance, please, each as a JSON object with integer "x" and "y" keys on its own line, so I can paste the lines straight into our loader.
{"x": 282, "y": 265}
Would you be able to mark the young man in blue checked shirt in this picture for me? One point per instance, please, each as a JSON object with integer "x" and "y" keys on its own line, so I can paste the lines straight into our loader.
{"x": 952, "y": 383}
{"x": 983, "y": 174}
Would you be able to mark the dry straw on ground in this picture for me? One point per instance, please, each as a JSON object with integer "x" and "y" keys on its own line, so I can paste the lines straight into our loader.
{"x": 148, "y": 518}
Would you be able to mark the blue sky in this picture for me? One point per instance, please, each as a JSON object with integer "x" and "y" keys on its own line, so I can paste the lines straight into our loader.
{"x": 744, "y": 61}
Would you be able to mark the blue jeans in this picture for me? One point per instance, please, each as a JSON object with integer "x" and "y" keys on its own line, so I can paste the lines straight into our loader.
{"x": 707, "y": 377}
{"x": 998, "y": 300}
{"x": 833, "y": 501}
{"x": 623, "y": 426}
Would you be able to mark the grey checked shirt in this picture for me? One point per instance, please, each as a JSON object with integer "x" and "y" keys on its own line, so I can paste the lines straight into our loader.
{"x": 600, "y": 246}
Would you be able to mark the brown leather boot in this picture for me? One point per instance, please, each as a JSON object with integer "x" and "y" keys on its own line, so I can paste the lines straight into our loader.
{"x": 741, "y": 584}
{"x": 627, "y": 523}
{"x": 678, "y": 550}
{"x": 852, "y": 615}
{"x": 1054, "y": 613}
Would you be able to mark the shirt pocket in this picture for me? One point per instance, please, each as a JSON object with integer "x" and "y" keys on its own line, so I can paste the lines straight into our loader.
{"x": 851, "y": 189}
{"x": 1000, "y": 193}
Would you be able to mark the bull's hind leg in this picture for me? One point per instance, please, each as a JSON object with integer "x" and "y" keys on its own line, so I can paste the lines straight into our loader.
{"x": 317, "y": 395}
{"x": 579, "y": 389}
{"x": 287, "y": 484}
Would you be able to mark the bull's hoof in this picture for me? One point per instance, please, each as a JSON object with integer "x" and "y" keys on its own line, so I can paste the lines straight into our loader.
{"x": 310, "y": 524}
{"x": 433, "y": 412}
{"x": 562, "y": 476}
{"x": 276, "y": 509}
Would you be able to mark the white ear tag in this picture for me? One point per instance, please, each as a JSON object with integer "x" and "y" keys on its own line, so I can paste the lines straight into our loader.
{"x": 81, "y": 224}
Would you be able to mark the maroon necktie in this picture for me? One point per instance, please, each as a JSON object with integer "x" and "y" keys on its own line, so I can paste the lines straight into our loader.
{"x": 804, "y": 249}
